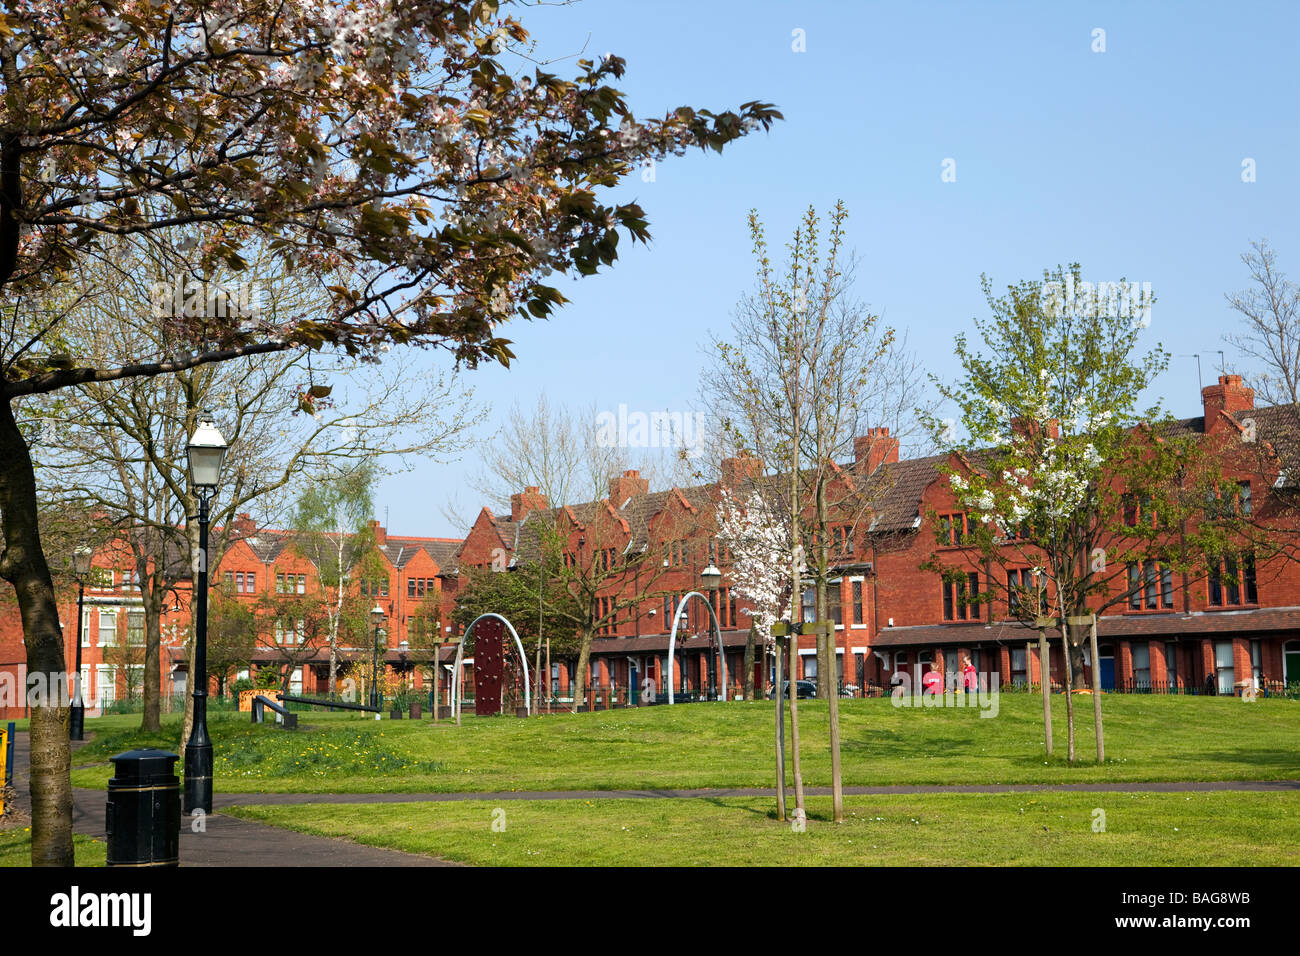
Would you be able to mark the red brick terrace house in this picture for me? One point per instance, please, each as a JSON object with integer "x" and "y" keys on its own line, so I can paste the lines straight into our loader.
{"x": 417, "y": 573}
{"x": 675, "y": 528}
{"x": 890, "y": 616}
{"x": 1179, "y": 633}
{"x": 258, "y": 561}
{"x": 112, "y": 636}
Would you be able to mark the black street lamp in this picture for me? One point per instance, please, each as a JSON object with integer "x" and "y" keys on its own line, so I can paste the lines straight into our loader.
{"x": 205, "y": 451}
{"x": 81, "y": 568}
{"x": 710, "y": 578}
{"x": 377, "y": 617}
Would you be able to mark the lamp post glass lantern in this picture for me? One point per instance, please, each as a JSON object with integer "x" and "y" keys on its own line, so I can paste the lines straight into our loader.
{"x": 77, "y": 717}
{"x": 205, "y": 452}
{"x": 710, "y": 578}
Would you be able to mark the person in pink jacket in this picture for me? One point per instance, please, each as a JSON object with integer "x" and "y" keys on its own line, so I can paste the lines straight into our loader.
{"x": 970, "y": 679}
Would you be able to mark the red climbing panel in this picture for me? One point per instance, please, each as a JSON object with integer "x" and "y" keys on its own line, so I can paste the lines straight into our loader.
{"x": 489, "y": 666}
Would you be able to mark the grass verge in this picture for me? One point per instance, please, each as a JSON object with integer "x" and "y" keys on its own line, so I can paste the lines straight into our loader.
{"x": 1141, "y": 829}
{"x": 1148, "y": 738}
{"x": 16, "y": 848}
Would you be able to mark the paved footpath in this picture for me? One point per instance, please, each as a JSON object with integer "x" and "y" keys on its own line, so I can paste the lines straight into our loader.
{"x": 227, "y": 841}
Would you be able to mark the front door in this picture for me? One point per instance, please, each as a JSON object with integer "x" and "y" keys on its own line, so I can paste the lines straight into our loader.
{"x": 1107, "y": 658}
{"x": 1224, "y": 666}
{"x": 1291, "y": 662}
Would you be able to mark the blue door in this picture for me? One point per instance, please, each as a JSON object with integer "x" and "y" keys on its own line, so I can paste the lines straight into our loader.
{"x": 1108, "y": 673}
{"x": 633, "y": 687}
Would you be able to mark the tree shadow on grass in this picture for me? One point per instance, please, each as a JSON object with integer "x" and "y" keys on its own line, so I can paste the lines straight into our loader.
{"x": 894, "y": 744}
{"x": 723, "y": 803}
{"x": 1287, "y": 761}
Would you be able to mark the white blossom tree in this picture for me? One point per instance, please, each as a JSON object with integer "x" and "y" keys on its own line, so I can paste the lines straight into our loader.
{"x": 1064, "y": 472}
{"x": 758, "y": 536}
{"x": 763, "y": 557}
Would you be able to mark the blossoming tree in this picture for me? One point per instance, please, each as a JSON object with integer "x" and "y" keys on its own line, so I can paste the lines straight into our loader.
{"x": 403, "y": 151}
{"x": 1078, "y": 499}
{"x": 757, "y": 533}
{"x": 758, "y": 537}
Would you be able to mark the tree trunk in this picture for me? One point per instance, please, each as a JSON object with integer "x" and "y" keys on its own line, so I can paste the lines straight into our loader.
{"x": 537, "y": 681}
{"x": 580, "y": 672}
{"x": 1069, "y": 689}
{"x": 1096, "y": 691}
{"x": 334, "y": 665}
{"x": 1045, "y": 682}
{"x": 780, "y": 736}
{"x": 826, "y": 683}
{"x": 837, "y": 777}
{"x": 794, "y": 731}
{"x": 748, "y": 664}
{"x": 1077, "y": 667}
{"x": 22, "y": 564}
{"x": 192, "y": 533}
{"x": 151, "y": 599}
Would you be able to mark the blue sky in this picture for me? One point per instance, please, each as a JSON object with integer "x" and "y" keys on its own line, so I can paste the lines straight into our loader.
{"x": 1128, "y": 161}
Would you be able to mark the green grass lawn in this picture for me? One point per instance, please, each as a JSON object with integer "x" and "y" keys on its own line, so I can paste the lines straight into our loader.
{"x": 1148, "y": 738}
{"x": 16, "y": 848}
{"x": 1041, "y": 829}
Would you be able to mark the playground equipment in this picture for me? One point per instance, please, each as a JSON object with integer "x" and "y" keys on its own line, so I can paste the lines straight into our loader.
{"x": 717, "y": 632}
{"x": 6, "y": 762}
{"x": 487, "y": 698}
{"x": 325, "y": 702}
{"x": 260, "y": 703}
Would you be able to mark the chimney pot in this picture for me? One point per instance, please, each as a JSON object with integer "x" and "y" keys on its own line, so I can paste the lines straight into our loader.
{"x": 1227, "y": 398}
{"x": 874, "y": 449}
{"x": 744, "y": 467}
{"x": 531, "y": 499}
{"x": 627, "y": 485}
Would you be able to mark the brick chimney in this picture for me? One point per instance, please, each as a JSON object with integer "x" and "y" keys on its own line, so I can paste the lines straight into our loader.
{"x": 874, "y": 449}
{"x": 1228, "y": 396}
{"x": 743, "y": 468}
{"x": 625, "y": 486}
{"x": 380, "y": 533}
{"x": 244, "y": 525}
{"x": 530, "y": 499}
{"x": 1027, "y": 426}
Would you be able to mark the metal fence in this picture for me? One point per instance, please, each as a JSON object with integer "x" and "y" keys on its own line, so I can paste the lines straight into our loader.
{"x": 1187, "y": 689}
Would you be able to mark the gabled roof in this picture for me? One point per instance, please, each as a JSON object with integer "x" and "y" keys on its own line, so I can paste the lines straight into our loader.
{"x": 892, "y": 494}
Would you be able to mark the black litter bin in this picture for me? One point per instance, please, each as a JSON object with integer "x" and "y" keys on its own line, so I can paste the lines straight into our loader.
{"x": 144, "y": 810}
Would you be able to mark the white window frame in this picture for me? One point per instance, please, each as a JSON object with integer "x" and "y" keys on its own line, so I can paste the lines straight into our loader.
{"x": 143, "y": 637}
{"x": 838, "y": 585}
{"x": 105, "y": 678}
{"x": 109, "y": 613}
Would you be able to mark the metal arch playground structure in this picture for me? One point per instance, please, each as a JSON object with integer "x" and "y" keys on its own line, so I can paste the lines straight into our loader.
{"x": 460, "y": 654}
{"x": 717, "y": 633}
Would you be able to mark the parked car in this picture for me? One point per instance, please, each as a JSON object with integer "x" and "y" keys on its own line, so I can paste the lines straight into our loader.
{"x": 803, "y": 688}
